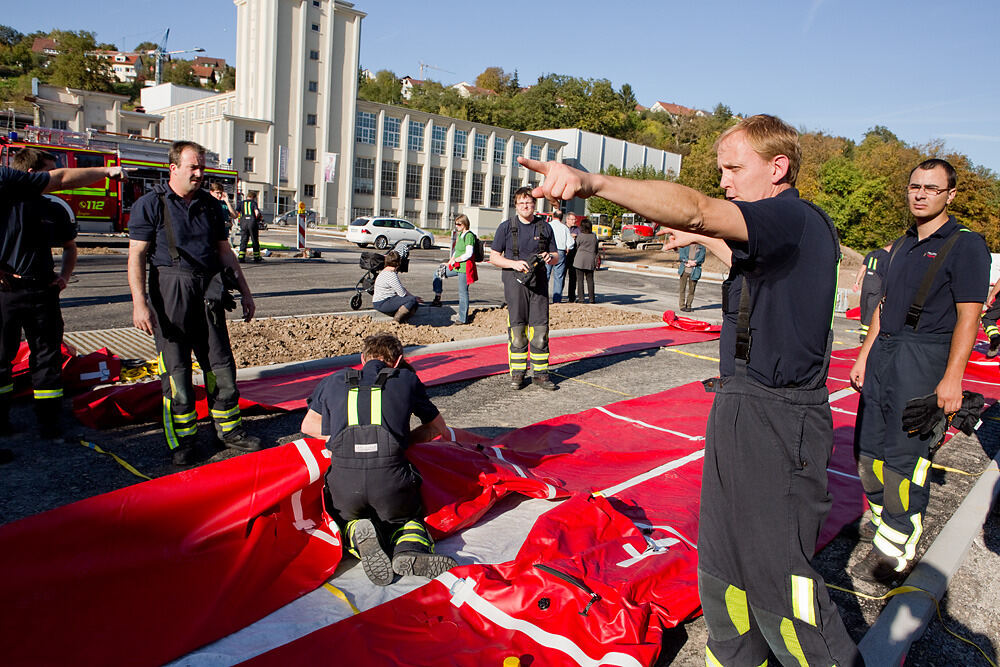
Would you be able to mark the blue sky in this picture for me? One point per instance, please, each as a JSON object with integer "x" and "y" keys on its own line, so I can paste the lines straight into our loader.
{"x": 926, "y": 70}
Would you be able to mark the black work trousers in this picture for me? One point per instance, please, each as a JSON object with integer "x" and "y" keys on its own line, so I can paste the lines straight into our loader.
{"x": 527, "y": 323}
{"x": 186, "y": 323}
{"x": 571, "y": 272}
{"x": 34, "y": 308}
{"x": 249, "y": 232}
{"x": 764, "y": 498}
{"x": 893, "y": 464}
{"x": 389, "y": 496}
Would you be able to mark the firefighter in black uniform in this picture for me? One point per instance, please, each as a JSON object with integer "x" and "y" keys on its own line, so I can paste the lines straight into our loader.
{"x": 522, "y": 246}
{"x": 770, "y": 432}
{"x": 29, "y": 286}
{"x": 250, "y": 218}
{"x": 918, "y": 344}
{"x": 180, "y": 230}
{"x": 371, "y": 489}
{"x": 869, "y": 282}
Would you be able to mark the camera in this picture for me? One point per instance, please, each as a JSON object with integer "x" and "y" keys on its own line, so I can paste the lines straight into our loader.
{"x": 529, "y": 279}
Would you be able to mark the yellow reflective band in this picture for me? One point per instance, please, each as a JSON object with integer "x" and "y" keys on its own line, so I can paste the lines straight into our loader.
{"x": 920, "y": 472}
{"x": 802, "y": 599}
{"x": 186, "y": 417}
{"x": 540, "y": 367}
{"x": 186, "y": 431}
{"x": 739, "y": 612}
{"x": 376, "y": 401}
{"x": 885, "y": 546}
{"x": 6, "y": 389}
{"x": 877, "y": 469}
{"x": 792, "y": 642}
{"x": 48, "y": 393}
{"x": 352, "y": 407}
{"x": 222, "y": 414}
{"x": 541, "y": 356}
{"x": 892, "y": 534}
{"x": 836, "y": 290}
{"x": 414, "y": 538}
{"x": 161, "y": 367}
{"x": 519, "y": 367}
{"x": 711, "y": 660}
{"x": 904, "y": 494}
{"x": 229, "y": 426}
{"x": 518, "y": 355}
{"x": 168, "y": 425}
{"x": 910, "y": 549}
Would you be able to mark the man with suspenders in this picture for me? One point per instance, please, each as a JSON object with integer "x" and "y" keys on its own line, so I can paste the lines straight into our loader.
{"x": 371, "y": 490}
{"x": 770, "y": 432}
{"x": 918, "y": 344}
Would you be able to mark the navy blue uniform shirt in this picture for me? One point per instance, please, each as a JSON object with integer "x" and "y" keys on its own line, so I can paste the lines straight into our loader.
{"x": 790, "y": 263}
{"x": 876, "y": 262}
{"x": 532, "y": 239}
{"x": 963, "y": 278}
{"x": 404, "y": 394}
{"x": 32, "y": 224}
{"x": 198, "y": 228}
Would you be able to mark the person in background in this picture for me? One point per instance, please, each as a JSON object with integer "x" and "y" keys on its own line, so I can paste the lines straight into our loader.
{"x": 573, "y": 225}
{"x": 250, "y": 218}
{"x": 390, "y": 297}
{"x": 564, "y": 243}
{"x": 215, "y": 189}
{"x": 585, "y": 260}
{"x": 690, "y": 258}
{"x": 869, "y": 282}
{"x": 460, "y": 265}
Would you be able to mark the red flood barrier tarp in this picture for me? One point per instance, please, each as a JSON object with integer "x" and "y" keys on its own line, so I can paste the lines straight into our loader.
{"x": 114, "y": 406}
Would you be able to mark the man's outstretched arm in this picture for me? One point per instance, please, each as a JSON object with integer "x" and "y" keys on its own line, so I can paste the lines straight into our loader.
{"x": 669, "y": 204}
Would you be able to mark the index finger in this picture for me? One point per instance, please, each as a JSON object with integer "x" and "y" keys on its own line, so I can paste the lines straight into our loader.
{"x": 534, "y": 165}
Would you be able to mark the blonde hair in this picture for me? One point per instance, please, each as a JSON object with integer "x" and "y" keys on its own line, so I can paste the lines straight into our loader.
{"x": 462, "y": 220}
{"x": 769, "y": 137}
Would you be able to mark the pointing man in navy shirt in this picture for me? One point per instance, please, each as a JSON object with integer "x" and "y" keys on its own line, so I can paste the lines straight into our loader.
{"x": 770, "y": 434}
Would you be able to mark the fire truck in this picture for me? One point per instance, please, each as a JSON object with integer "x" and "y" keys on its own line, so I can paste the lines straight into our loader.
{"x": 103, "y": 206}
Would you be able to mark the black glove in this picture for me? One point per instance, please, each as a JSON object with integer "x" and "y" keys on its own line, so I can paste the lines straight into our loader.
{"x": 922, "y": 415}
{"x": 967, "y": 417}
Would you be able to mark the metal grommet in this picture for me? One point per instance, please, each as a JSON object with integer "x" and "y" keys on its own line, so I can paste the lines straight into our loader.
{"x": 543, "y": 604}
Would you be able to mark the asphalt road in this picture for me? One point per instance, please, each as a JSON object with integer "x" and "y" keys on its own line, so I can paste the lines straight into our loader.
{"x": 47, "y": 475}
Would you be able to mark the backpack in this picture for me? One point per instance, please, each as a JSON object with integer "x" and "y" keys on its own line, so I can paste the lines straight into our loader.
{"x": 478, "y": 249}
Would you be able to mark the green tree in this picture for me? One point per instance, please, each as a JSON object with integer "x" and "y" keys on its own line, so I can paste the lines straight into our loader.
{"x": 73, "y": 68}
{"x": 433, "y": 97}
{"x": 180, "y": 73}
{"x": 227, "y": 81}
{"x": 494, "y": 78}
{"x": 628, "y": 99}
{"x": 385, "y": 88}
{"x": 10, "y": 36}
{"x": 145, "y": 47}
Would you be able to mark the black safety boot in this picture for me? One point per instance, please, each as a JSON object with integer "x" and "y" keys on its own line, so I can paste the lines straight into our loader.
{"x": 516, "y": 380}
{"x": 48, "y": 412}
{"x": 994, "y": 346}
{"x": 238, "y": 439}
{"x": 437, "y": 300}
{"x": 421, "y": 564}
{"x": 877, "y": 569}
{"x": 362, "y": 537}
{"x": 186, "y": 452}
{"x": 867, "y": 531}
{"x": 542, "y": 380}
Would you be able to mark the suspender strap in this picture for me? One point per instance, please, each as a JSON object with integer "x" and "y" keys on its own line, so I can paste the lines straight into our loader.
{"x": 168, "y": 228}
{"x": 354, "y": 388}
{"x": 513, "y": 231}
{"x": 917, "y": 307}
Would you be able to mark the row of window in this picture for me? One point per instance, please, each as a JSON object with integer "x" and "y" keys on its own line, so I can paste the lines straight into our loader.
{"x": 364, "y": 182}
{"x": 365, "y": 133}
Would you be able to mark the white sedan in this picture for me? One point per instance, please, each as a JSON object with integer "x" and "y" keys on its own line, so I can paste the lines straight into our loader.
{"x": 384, "y": 232}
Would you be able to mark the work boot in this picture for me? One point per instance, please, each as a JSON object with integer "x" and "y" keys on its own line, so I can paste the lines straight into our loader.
{"x": 186, "y": 453}
{"x": 994, "y": 346}
{"x": 362, "y": 537}
{"x": 48, "y": 412}
{"x": 516, "y": 379}
{"x": 867, "y": 531}
{"x": 542, "y": 380}
{"x": 877, "y": 569}
{"x": 421, "y": 564}
{"x": 402, "y": 314}
{"x": 258, "y": 260}
{"x": 238, "y": 439}
{"x": 437, "y": 300}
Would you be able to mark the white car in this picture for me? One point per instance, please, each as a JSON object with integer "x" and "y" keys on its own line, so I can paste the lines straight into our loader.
{"x": 384, "y": 232}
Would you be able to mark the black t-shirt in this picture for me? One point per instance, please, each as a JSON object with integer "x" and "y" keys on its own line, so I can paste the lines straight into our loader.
{"x": 790, "y": 263}
{"x": 532, "y": 239}
{"x": 963, "y": 278}
{"x": 404, "y": 394}
{"x": 32, "y": 224}
{"x": 198, "y": 228}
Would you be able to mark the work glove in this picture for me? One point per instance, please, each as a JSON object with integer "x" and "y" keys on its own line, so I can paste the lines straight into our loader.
{"x": 923, "y": 417}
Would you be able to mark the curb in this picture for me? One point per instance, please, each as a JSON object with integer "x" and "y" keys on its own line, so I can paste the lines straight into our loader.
{"x": 905, "y": 618}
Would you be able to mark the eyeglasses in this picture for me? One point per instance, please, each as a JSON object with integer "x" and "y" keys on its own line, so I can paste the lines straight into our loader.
{"x": 525, "y": 202}
{"x": 932, "y": 190}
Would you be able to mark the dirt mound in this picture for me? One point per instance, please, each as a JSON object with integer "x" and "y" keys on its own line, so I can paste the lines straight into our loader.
{"x": 275, "y": 341}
